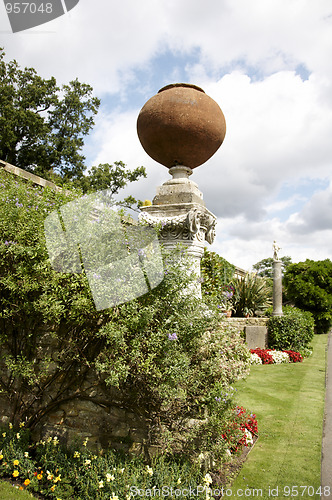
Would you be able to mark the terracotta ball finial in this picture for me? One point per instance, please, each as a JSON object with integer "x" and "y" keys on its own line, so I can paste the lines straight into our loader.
{"x": 181, "y": 125}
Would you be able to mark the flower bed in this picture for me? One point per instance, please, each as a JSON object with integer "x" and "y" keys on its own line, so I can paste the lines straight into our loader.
{"x": 241, "y": 432}
{"x": 270, "y": 356}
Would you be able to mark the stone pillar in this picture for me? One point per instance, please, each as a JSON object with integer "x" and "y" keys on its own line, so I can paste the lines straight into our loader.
{"x": 277, "y": 288}
{"x": 179, "y": 210}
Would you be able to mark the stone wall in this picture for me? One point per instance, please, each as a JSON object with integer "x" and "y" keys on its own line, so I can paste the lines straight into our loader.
{"x": 254, "y": 330}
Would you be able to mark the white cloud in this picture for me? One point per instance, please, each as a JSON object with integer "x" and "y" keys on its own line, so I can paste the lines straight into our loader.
{"x": 249, "y": 57}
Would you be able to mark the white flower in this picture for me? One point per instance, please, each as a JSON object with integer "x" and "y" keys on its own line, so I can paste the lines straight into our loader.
{"x": 109, "y": 477}
{"x": 101, "y": 484}
{"x": 179, "y": 481}
{"x": 255, "y": 359}
{"x": 26, "y": 454}
{"x": 279, "y": 357}
{"x": 87, "y": 462}
{"x": 18, "y": 435}
{"x": 249, "y": 439}
{"x": 207, "y": 479}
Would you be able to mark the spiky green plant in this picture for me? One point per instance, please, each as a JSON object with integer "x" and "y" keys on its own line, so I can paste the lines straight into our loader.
{"x": 252, "y": 294}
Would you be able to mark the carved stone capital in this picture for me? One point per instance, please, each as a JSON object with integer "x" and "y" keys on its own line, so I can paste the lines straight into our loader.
{"x": 195, "y": 225}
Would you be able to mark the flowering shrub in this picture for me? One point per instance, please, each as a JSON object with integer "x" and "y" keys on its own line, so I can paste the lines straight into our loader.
{"x": 167, "y": 359}
{"x": 255, "y": 359}
{"x": 48, "y": 469}
{"x": 264, "y": 354}
{"x": 241, "y": 431}
{"x": 294, "y": 357}
{"x": 279, "y": 357}
{"x": 269, "y": 356}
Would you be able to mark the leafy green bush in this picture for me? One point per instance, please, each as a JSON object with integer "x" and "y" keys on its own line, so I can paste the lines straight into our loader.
{"x": 252, "y": 295}
{"x": 217, "y": 274}
{"x": 167, "y": 358}
{"x": 292, "y": 331}
{"x": 309, "y": 286}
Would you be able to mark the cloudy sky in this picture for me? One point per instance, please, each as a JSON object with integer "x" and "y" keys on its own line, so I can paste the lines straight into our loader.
{"x": 268, "y": 64}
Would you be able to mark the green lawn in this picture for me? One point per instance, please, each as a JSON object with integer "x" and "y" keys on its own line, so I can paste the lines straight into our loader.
{"x": 288, "y": 400}
{"x": 7, "y": 492}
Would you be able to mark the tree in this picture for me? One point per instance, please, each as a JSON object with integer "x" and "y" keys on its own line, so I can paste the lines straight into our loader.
{"x": 309, "y": 285}
{"x": 112, "y": 177}
{"x": 264, "y": 267}
{"x": 42, "y": 125}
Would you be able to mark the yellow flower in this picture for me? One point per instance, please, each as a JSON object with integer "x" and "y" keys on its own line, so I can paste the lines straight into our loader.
{"x": 57, "y": 479}
{"x": 10, "y": 426}
{"x": 26, "y": 454}
{"x": 16, "y": 462}
{"x": 1, "y": 457}
{"x": 4, "y": 434}
{"x": 179, "y": 480}
{"x": 27, "y": 482}
{"x": 109, "y": 477}
{"x": 18, "y": 435}
{"x": 101, "y": 484}
{"x": 22, "y": 424}
{"x": 85, "y": 442}
{"x": 16, "y": 473}
{"x": 149, "y": 470}
{"x": 39, "y": 477}
{"x": 53, "y": 487}
{"x": 77, "y": 454}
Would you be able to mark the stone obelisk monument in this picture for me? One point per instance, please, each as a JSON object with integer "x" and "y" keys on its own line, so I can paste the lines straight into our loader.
{"x": 181, "y": 128}
{"x": 277, "y": 282}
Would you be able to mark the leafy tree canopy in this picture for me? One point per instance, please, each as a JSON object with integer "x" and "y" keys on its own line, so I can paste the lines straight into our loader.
{"x": 43, "y": 127}
{"x": 264, "y": 266}
{"x": 309, "y": 286}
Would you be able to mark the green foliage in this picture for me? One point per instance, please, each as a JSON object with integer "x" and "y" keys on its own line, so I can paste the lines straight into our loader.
{"x": 292, "y": 331}
{"x": 112, "y": 177}
{"x": 54, "y": 471}
{"x": 43, "y": 126}
{"x": 167, "y": 358}
{"x": 264, "y": 267}
{"x": 252, "y": 295}
{"x": 309, "y": 287}
{"x": 217, "y": 274}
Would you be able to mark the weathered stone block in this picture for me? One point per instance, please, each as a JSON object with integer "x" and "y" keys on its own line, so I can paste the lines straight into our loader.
{"x": 256, "y": 336}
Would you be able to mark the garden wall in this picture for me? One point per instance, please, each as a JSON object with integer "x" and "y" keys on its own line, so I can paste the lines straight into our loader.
{"x": 254, "y": 330}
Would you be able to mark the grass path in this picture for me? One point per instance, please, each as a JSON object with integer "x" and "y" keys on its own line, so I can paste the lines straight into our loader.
{"x": 289, "y": 403}
{"x": 7, "y": 492}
